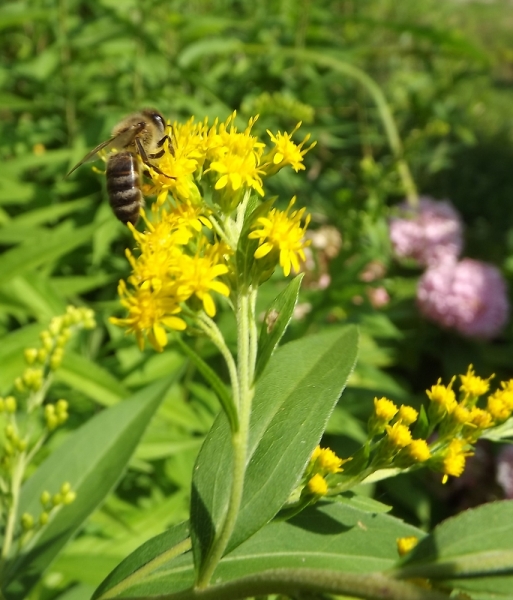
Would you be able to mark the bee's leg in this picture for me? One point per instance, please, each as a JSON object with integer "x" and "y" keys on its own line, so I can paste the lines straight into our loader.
{"x": 146, "y": 160}
{"x": 160, "y": 143}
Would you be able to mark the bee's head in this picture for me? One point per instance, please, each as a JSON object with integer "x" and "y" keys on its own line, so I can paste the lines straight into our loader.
{"x": 156, "y": 118}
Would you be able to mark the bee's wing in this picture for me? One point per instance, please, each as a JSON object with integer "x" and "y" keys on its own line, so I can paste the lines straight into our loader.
{"x": 121, "y": 140}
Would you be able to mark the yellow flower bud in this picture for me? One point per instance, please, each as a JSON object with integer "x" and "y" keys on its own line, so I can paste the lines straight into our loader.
{"x": 11, "y": 404}
{"x": 46, "y": 340}
{"x": 31, "y": 355}
{"x": 51, "y": 422}
{"x": 57, "y": 499}
{"x": 406, "y": 544}
{"x": 62, "y": 417}
{"x": 69, "y": 497}
{"x": 317, "y": 485}
{"x": 398, "y": 435}
{"x": 419, "y": 450}
{"x": 19, "y": 386}
{"x": 407, "y": 415}
{"x": 61, "y": 406}
{"x": 27, "y": 521}
{"x": 42, "y": 355}
{"x": 43, "y": 518}
{"x": 21, "y": 445}
{"x": 49, "y": 410}
{"x": 65, "y": 488}
{"x": 56, "y": 359}
{"x": 384, "y": 409}
{"x": 55, "y": 326}
{"x": 45, "y": 498}
{"x": 63, "y": 337}
{"x": 10, "y": 432}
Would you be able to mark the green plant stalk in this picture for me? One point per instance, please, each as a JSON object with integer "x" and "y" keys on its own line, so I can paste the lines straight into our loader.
{"x": 377, "y": 95}
{"x": 240, "y": 439}
{"x": 16, "y": 480}
{"x": 295, "y": 582}
{"x": 212, "y": 330}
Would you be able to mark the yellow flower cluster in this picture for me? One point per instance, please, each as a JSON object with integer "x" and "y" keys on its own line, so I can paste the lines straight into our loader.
{"x": 452, "y": 424}
{"x": 323, "y": 462}
{"x": 186, "y": 257}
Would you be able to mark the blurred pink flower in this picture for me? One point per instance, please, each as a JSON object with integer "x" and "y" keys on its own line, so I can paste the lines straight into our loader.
{"x": 469, "y": 296}
{"x": 378, "y": 296}
{"x": 429, "y": 234}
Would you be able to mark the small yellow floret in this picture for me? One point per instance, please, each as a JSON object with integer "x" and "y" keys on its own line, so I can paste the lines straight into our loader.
{"x": 460, "y": 414}
{"x": 286, "y": 152}
{"x": 497, "y": 408}
{"x": 419, "y": 450}
{"x": 328, "y": 462}
{"x": 454, "y": 460}
{"x": 384, "y": 409}
{"x": 407, "y": 415}
{"x": 442, "y": 395}
{"x": 317, "y": 485}
{"x": 406, "y": 544}
{"x": 480, "y": 418}
{"x": 282, "y": 232}
{"x": 472, "y": 385}
{"x": 399, "y": 435}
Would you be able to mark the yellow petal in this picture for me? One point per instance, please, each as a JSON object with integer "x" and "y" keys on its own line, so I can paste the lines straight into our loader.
{"x": 263, "y": 250}
{"x": 208, "y": 305}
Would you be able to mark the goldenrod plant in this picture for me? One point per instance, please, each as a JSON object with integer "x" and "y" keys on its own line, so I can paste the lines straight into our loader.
{"x": 271, "y": 511}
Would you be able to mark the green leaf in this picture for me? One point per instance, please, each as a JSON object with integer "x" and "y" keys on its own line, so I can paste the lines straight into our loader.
{"x": 147, "y": 558}
{"x": 35, "y": 292}
{"x": 276, "y": 321}
{"x": 472, "y": 551}
{"x": 330, "y": 536}
{"x": 96, "y": 383}
{"x": 41, "y": 250}
{"x": 293, "y": 401}
{"x": 92, "y": 460}
{"x": 48, "y": 214}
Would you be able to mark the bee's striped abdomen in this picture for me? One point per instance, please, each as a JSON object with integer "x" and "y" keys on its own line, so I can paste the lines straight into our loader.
{"x": 123, "y": 186}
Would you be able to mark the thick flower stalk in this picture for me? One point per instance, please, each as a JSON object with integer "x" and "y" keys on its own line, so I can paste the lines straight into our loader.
{"x": 210, "y": 239}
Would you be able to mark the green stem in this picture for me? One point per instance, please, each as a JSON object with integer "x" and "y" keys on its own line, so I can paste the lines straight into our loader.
{"x": 212, "y": 330}
{"x": 297, "y": 582}
{"x": 377, "y": 95}
{"x": 17, "y": 477}
{"x": 253, "y": 334}
{"x": 240, "y": 440}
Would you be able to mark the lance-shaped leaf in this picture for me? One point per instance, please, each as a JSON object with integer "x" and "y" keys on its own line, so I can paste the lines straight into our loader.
{"x": 293, "y": 401}
{"x": 331, "y": 537}
{"x": 92, "y": 460}
{"x": 276, "y": 321}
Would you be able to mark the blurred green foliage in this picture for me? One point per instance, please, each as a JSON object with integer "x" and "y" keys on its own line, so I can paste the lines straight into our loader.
{"x": 69, "y": 70}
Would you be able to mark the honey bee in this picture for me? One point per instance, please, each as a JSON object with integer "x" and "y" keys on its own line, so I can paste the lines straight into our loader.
{"x": 141, "y": 134}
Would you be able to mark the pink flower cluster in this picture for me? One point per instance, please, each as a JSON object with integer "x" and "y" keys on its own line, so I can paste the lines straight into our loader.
{"x": 467, "y": 295}
{"x": 430, "y": 234}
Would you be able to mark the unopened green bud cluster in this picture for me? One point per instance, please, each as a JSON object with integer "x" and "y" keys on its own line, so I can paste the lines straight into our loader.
{"x": 49, "y": 504}
{"x": 26, "y": 421}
